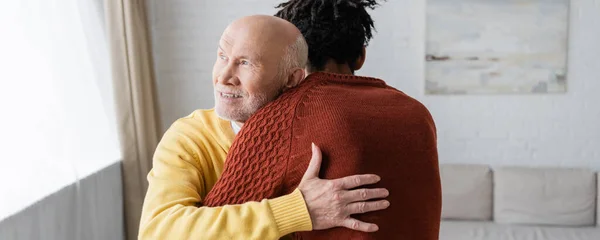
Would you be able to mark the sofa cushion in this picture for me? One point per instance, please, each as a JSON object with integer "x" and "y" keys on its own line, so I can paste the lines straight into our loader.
{"x": 459, "y": 230}
{"x": 545, "y": 196}
{"x": 466, "y": 191}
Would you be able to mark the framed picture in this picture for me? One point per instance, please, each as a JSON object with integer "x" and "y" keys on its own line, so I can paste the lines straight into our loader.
{"x": 496, "y": 46}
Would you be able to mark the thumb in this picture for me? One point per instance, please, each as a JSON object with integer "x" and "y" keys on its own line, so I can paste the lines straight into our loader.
{"x": 315, "y": 164}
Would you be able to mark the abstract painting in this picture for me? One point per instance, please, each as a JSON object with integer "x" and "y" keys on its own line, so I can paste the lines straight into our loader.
{"x": 496, "y": 46}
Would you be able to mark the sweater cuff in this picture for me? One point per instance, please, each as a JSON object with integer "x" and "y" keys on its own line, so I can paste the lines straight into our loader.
{"x": 290, "y": 213}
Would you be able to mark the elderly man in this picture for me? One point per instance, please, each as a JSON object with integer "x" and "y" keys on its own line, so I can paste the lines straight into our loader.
{"x": 258, "y": 58}
{"x": 362, "y": 125}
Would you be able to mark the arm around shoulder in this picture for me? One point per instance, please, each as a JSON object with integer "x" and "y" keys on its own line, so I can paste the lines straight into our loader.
{"x": 176, "y": 186}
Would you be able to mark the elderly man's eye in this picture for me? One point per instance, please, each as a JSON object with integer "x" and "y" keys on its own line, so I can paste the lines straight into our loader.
{"x": 244, "y": 62}
{"x": 222, "y": 57}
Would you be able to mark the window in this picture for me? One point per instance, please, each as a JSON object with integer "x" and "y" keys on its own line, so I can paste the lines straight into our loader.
{"x": 57, "y": 122}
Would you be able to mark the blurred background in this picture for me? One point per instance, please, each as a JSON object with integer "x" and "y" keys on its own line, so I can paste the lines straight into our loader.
{"x": 89, "y": 86}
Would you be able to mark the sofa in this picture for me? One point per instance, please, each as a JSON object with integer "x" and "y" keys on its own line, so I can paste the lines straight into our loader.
{"x": 519, "y": 203}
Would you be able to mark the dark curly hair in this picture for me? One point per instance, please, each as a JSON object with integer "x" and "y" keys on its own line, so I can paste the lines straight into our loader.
{"x": 333, "y": 29}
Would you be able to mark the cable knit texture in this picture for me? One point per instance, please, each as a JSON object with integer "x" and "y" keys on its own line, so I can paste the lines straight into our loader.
{"x": 362, "y": 126}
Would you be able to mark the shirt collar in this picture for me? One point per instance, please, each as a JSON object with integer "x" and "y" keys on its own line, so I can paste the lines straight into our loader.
{"x": 235, "y": 127}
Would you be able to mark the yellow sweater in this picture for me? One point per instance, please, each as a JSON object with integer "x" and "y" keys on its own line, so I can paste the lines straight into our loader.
{"x": 187, "y": 163}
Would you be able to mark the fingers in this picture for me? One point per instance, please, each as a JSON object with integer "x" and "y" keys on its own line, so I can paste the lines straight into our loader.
{"x": 359, "y": 226}
{"x": 357, "y": 181}
{"x": 315, "y": 164}
{"x": 364, "y": 194}
{"x": 364, "y": 207}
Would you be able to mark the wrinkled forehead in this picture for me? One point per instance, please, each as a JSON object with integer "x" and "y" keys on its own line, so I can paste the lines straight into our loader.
{"x": 258, "y": 44}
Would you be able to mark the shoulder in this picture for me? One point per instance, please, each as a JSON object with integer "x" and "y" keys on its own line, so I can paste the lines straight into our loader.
{"x": 412, "y": 115}
{"x": 414, "y": 106}
{"x": 351, "y": 103}
{"x": 201, "y": 124}
{"x": 196, "y": 120}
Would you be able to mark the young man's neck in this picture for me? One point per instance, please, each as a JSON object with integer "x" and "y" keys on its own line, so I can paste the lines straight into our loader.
{"x": 333, "y": 67}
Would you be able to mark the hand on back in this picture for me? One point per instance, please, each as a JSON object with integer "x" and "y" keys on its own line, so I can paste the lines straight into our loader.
{"x": 331, "y": 202}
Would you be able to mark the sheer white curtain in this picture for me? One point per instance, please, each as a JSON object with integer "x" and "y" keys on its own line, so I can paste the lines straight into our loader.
{"x": 56, "y": 104}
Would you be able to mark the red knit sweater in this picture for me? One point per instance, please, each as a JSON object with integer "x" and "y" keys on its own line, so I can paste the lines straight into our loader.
{"x": 362, "y": 126}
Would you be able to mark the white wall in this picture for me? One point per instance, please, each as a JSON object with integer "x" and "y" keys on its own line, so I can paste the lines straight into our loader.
{"x": 550, "y": 130}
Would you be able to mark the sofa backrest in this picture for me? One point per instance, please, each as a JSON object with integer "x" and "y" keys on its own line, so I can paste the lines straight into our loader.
{"x": 545, "y": 196}
{"x": 466, "y": 192}
{"x": 520, "y": 195}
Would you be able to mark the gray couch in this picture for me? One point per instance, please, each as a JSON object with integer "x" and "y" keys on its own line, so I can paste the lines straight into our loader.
{"x": 519, "y": 203}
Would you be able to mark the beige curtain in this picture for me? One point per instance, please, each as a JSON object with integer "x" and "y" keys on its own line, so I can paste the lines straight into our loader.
{"x": 137, "y": 115}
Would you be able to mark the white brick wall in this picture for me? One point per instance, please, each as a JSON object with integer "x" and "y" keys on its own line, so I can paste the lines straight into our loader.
{"x": 557, "y": 130}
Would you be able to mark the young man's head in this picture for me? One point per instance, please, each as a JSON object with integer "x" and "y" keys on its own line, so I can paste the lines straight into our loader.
{"x": 337, "y": 31}
{"x": 257, "y": 58}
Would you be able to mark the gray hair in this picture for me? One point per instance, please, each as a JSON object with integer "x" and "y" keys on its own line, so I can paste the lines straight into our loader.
{"x": 295, "y": 56}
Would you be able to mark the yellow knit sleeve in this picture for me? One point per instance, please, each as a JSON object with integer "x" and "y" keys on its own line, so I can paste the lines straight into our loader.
{"x": 176, "y": 185}
{"x": 290, "y": 213}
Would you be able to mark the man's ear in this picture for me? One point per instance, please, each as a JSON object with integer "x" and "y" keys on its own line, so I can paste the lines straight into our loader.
{"x": 295, "y": 78}
{"x": 361, "y": 59}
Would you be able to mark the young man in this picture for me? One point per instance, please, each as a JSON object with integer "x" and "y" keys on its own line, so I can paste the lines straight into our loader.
{"x": 362, "y": 125}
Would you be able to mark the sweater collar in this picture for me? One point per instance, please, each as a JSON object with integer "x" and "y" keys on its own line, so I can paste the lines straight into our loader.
{"x": 344, "y": 79}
